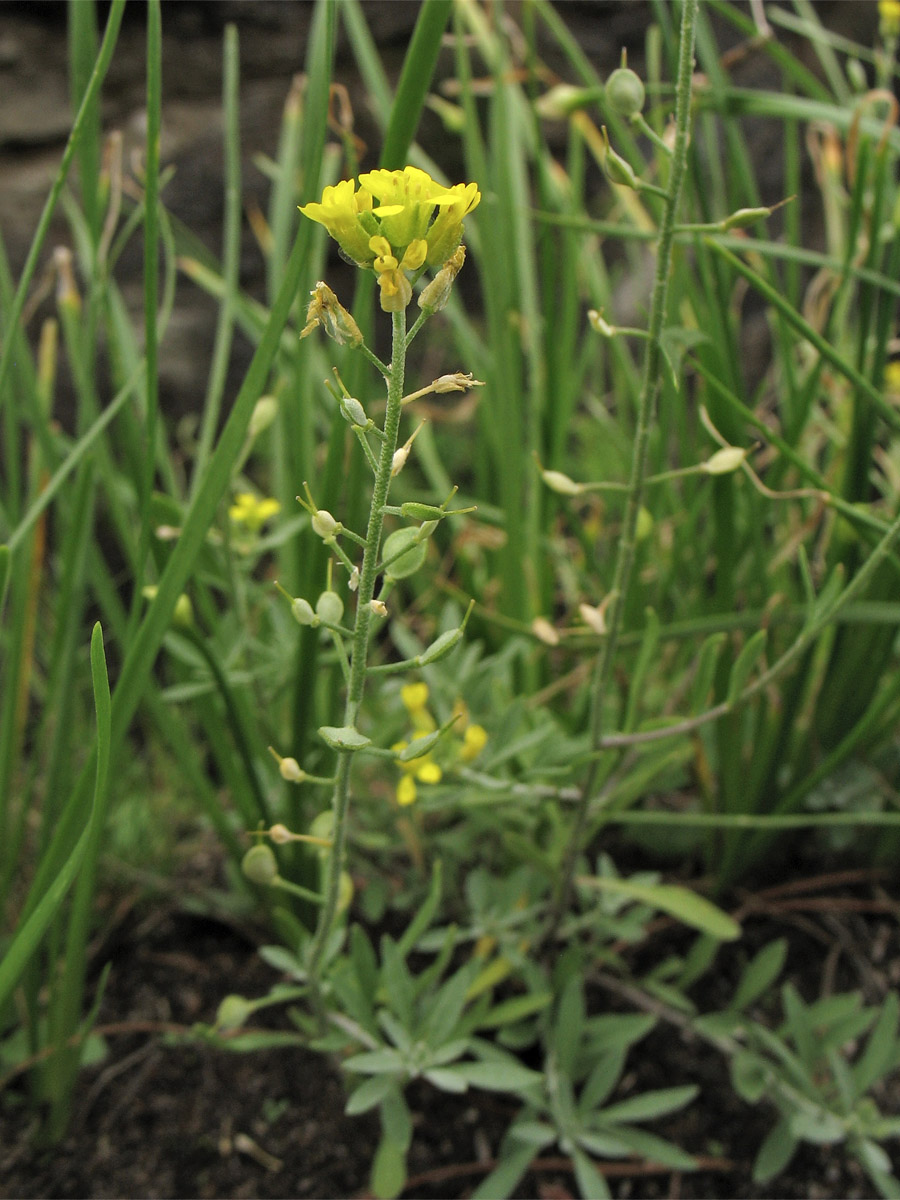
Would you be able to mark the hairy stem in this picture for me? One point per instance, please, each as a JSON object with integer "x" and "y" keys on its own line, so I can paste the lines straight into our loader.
{"x": 360, "y": 650}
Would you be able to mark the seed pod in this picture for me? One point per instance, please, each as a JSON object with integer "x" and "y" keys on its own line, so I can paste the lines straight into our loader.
{"x": 302, "y": 612}
{"x": 324, "y": 524}
{"x": 330, "y": 608}
{"x": 625, "y": 92}
{"x": 233, "y": 1011}
{"x": 260, "y": 865}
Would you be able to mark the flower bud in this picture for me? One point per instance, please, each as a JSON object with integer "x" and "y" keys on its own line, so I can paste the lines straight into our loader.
{"x": 398, "y": 462}
{"x": 260, "y": 865}
{"x": 542, "y": 629}
{"x": 67, "y": 295}
{"x": 280, "y": 834}
{"x": 291, "y": 770}
{"x": 330, "y": 608}
{"x": 183, "y": 613}
{"x": 594, "y": 617}
{"x": 625, "y": 92}
{"x": 562, "y": 100}
{"x": 724, "y": 461}
{"x": 556, "y": 481}
{"x": 396, "y": 290}
{"x": 264, "y": 413}
{"x": 378, "y": 607}
{"x": 435, "y": 296}
{"x": 645, "y": 523}
{"x": 345, "y": 891}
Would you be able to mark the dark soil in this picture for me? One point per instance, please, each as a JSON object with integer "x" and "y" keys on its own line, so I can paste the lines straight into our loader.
{"x": 166, "y": 1116}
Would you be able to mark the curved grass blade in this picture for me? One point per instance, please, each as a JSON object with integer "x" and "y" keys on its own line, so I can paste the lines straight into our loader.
{"x": 28, "y": 938}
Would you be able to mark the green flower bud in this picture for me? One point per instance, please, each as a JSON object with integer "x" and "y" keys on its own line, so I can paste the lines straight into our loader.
{"x": 724, "y": 461}
{"x": 435, "y": 296}
{"x": 345, "y": 891}
{"x": 264, "y": 413}
{"x": 183, "y": 613}
{"x": 260, "y": 865}
{"x": 291, "y": 770}
{"x": 645, "y": 524}
{"x": 559, "y": 482}
{"x": 625, "y": 92}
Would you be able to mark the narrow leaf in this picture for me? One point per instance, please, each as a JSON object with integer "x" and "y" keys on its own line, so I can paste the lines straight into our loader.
{"x": 679, "y": 902}
{"x": 744, "y": 664}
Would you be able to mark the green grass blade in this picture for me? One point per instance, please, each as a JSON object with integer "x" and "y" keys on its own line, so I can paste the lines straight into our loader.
{"x": 29, "y": 935}
{"x": 415, "y": 78}
{"x": 803, "y": 327}
{"x": 151, "y": 297}
{"x": 82, "y": 56}
{"x": 106, "y": 52}
{"x": 231, "y": 251}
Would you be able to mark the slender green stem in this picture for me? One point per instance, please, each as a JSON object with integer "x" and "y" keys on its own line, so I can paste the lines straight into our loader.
{"x": 361, "y": 630}
{"x": 646, "y": 415}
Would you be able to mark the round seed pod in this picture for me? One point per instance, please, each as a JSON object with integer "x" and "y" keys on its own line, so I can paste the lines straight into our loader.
{"x": 625, "y": 92}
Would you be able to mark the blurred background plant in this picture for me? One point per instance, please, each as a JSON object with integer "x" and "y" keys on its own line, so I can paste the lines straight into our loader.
{"x": 755, "y": 693}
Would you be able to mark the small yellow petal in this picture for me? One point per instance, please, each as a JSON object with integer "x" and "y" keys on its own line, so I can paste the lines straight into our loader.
{"x": 474, "y": 740}
{"x": 406, "y": 790}
{"x": 429, "y": 772}
{"x": 414, "y": 696}
{"x": 415, "y": 255}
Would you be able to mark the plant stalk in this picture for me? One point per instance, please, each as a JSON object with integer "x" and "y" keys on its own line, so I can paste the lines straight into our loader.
{"x": 360, "y": 649}
{"x": 650, "y": 383}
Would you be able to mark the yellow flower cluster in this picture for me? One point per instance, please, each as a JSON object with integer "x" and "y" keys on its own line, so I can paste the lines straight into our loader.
{"x": 252, "y": 512}
{"x": 396, "y": 223}
{"x": 424, "y": 768}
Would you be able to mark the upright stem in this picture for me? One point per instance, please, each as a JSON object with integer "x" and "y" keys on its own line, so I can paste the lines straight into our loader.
{"x": 646, "y": 416}
{"x": 360, "y": 651}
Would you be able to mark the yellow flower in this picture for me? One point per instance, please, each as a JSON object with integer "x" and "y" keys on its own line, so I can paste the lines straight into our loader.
{"x": 889, "y": 12}
{"x": 423, "y": 768}
{"x": 892, "y": 370}
{"x": 342, "y": 212}
{"x": 251, "y": 512}
{"x": 416, "y": 222}
{"x": 474, "y": 741}
{"x": 445, "y": 233}
{"x": 415, "y": 699}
